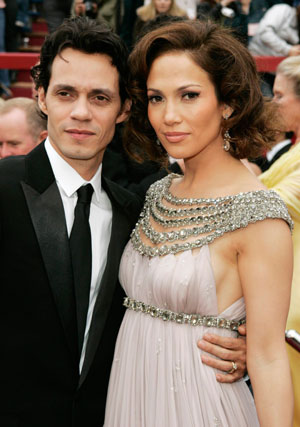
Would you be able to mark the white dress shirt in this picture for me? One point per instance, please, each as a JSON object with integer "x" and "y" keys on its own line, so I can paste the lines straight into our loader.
{"x": 68, "y": 182}
{"x": 274, "y": 150}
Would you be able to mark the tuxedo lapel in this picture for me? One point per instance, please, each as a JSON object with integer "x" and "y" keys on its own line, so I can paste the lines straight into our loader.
{"x": 121, "y": 228}
{"x": 48, "y": 218}
{"x": 280, "y": 153}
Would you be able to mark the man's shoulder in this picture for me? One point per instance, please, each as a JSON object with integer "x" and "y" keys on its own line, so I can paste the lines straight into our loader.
{"x": 12, "y": 168}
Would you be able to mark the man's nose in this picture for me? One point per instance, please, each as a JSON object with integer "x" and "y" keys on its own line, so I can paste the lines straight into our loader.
{"x": 6, "y": 151}
{"x": 81, "y": 109}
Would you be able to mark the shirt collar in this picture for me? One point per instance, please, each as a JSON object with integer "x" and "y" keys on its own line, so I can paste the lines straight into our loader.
{"x": 67, "y": 177}
{"x": 274, "y": 150}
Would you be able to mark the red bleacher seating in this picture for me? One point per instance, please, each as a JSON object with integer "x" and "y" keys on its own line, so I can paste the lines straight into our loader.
{"x": 24, "y": 61}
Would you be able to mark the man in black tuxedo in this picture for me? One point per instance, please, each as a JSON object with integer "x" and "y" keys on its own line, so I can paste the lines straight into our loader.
{"x": 265, "y": 162}
{"x": 275, "y": 153}
{"x": 46, "y": 379}
{"x": 57, "y": 344}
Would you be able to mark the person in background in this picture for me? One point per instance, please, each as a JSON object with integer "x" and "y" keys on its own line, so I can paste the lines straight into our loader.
{"x": 55, "y": 11}
{"x": 23, "y": 22}
{"x": 11, "y": 35}
{"x": 287, "y": 94}
{"x": 128, "y": 21}
{"x": 230, "y": 13}
{"x": 256, "y": 11}
{"x": 136, "y": 177}
{"x": 261, "y": 164}
{"x": 189, "y": 7}
{"x": 277, "y": 35}
{"x": 284, "y": 177}
{"x": 21, "y": 127}
{"x": 155, "y": 9}
{"x": 4, "y": 74}
{"x": 103, "y": 11}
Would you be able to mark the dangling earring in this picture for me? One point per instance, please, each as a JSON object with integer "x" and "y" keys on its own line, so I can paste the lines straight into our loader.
{"x": 226, "y": 137}
{"x": 226, "y": 144}
{"x": 158, "y": 142}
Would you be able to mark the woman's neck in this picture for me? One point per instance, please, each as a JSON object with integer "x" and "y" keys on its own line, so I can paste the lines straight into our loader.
{"x": 209, "y": 175}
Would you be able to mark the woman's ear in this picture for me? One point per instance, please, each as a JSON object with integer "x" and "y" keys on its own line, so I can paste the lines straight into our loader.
{"x": 227, "y": 112}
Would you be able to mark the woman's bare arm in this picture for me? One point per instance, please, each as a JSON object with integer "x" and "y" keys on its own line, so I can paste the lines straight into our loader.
{"x": 265, "y": 267}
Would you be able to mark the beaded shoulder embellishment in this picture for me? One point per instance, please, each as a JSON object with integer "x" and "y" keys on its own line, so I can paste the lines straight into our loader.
{"x": 193, "y": 223}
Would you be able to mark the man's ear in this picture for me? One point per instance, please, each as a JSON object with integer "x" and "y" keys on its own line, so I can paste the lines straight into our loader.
{"x": 124, "y": 111}
{"x": 42, "y": 100}
{"x": 43, "y": 135}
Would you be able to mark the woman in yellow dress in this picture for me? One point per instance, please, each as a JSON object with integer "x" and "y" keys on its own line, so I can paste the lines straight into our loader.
{"x": 284, "y": 177}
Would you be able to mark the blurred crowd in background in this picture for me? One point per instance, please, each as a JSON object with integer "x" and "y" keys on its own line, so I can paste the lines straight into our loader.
{"x": 267, "y": 27}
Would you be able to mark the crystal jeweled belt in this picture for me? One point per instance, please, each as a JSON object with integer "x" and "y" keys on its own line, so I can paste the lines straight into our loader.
{"x": 183, "y": 318}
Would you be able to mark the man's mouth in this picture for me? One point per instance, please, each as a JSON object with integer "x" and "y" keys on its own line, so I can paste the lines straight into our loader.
{"x": 80, "y": 133}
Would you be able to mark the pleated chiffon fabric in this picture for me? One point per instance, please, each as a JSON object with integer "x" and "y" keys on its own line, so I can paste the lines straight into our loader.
{"x": 158, "y": 378}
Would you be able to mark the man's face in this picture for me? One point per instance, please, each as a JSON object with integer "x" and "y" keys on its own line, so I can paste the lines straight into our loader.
{"x": 287, "y": 101}
{"x": 83, "y": 106}
{"x": 15, "y": 136}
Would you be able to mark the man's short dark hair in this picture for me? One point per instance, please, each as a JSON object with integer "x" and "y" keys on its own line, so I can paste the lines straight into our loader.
{"x": 87, "y": 36}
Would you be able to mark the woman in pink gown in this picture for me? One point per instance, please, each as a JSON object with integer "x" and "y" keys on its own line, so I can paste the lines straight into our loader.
{"x": 209, "y": 247}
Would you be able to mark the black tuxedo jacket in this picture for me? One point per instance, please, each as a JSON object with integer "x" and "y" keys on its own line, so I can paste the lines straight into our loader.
{"x": 280, "y": 153}
{"x": 123, "y": 170}
{"x": 40, "y": 382}
{"x": 265, "y": 164}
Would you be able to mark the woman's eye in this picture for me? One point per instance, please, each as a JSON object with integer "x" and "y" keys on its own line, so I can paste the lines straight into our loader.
{"x": 154, "y": 99}
{"x": 190, "y": 95}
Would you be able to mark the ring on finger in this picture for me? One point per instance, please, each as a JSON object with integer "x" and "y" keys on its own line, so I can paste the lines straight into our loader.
{"x": 233, "y": 369}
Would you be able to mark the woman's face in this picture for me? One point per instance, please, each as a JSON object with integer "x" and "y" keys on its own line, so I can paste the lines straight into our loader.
{"x": 288, "y": 102}
{"x": 182, "y": 106}
{"x": 162, "y": 6}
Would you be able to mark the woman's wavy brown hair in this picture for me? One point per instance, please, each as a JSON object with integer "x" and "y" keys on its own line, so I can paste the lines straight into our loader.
{"x": 231, "y": 69}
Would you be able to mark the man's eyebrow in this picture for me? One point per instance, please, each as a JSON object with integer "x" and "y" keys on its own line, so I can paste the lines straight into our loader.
{"x": 104, "y": 91}
{"x": 14, "y": 141}
{"x": 64, "y": 87}
{"x": 93, "y": 92}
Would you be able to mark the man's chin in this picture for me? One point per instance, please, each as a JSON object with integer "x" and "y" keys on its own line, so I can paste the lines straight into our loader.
{"x": 83, "y": 154}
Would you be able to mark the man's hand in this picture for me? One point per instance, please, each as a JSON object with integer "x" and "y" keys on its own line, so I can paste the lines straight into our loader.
{"x": 229, "y": 350}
